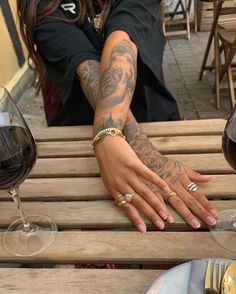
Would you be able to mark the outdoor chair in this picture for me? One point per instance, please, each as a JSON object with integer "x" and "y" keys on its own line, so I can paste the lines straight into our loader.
{"x": 172, "y": 18}
{"x": 223, "y": 34}
{"x": 225, "y": 43}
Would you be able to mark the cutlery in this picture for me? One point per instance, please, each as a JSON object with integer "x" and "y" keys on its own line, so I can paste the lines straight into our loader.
{"x": 214, "y": 274}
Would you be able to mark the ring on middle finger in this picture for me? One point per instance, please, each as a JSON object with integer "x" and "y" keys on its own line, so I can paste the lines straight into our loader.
{"x": 129, "y": 196}
{"x": 170, "y": 195}
{"x": 192, "y": 187}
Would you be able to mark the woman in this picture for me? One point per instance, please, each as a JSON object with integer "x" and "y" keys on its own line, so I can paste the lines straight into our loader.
{"x": 106, "y": 55}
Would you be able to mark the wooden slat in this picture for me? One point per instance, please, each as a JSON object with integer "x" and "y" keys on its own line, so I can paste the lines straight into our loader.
{"x": 190, "y": 144}
{"x": 90, "y": 214}
{"x": 190, "y": 127}
{"x": 165, "y": 145}
{"x": 175, "y": 33}
{"x": 64, "y": 149}
{"x": 205, "y": 163}
{"x": 75, "y": 167}
{"x": 221, "y": 186}
{"x": 89, "y": 281}
{"x": 61, "y": 189}
{"x": 125, "y": 247}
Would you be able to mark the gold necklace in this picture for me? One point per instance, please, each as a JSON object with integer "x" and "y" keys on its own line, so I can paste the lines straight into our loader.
{"x": 97, "y": 22}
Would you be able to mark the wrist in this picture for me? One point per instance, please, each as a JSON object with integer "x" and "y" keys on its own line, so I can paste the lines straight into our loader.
{"x": 112, "y": 132}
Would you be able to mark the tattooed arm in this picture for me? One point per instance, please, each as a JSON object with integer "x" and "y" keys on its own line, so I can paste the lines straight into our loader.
{"x": 172, "y": 172}
{"x": 121, "y": 170}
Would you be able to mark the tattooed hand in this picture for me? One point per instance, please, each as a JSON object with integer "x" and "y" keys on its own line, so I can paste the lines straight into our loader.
{"x": 190, "y": 206}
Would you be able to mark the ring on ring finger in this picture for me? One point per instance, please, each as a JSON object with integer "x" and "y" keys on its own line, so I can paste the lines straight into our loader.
{"x": 192, "y": 187}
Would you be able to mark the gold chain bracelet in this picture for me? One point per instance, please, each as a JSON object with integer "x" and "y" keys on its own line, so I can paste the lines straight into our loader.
{"x": 106, "y": 132}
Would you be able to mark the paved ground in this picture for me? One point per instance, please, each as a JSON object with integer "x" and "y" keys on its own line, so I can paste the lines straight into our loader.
{"x": 182, "y": 61}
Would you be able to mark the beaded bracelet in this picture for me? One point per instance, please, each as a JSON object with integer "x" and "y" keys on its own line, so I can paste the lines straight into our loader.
{"x": 106, "y": 132}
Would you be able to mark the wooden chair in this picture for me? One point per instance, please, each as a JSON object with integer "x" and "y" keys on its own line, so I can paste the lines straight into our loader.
{"x": 182, "y": 7}
{"x": 225, "y": 43}
{"x": 222, "y": 32}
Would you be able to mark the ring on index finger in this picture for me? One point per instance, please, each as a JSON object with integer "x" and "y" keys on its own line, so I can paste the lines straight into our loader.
{"x": 192, "y": 187}
{"x": 121, "y": 203}
{"x": 120, "y": 200}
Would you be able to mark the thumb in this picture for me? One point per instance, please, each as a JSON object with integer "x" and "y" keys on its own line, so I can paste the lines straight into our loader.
{"x": 195, "y": 176}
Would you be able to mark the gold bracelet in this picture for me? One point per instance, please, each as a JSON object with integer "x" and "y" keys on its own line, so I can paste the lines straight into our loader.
{"x": 103, "y": 133}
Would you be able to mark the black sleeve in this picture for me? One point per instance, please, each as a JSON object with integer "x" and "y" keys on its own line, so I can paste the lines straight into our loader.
{"x": 63, "y": 47}
{"x": 141, "y": 20}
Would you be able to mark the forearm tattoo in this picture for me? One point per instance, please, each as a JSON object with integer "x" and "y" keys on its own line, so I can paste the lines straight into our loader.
{"x": 117, "y": 85}
{"x": 89, "y": 79}
{"x": 118, "y": 80}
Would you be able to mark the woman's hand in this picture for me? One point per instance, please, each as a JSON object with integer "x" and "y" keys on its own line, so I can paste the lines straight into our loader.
{"x": 122, "y": 172}
{"x": 192, "y": 206}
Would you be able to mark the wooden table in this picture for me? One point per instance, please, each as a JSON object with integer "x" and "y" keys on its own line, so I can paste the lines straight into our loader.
{"x": 65, "y": 184}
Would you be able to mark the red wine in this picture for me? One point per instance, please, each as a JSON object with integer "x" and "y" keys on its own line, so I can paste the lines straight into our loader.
{"x": 229, "y": 142}
{"x": 17, "y": 155}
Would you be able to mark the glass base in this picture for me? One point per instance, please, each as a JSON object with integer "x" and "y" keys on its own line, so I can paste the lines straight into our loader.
{"x": 224, "y": 231}
{"x": 40, "y": 235}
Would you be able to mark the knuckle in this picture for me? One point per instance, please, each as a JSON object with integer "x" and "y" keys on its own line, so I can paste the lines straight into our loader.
{"x": 131, "y": 164}
{"x": 199, "y": 196}
{"x": 177, "y": 201}
{"x": 144, "y": 193}
{"x": 190, "y": 202}
{"x": 139, "y": 202}
{"x": 194, "y": 205}
{"x": 116, "y": 181}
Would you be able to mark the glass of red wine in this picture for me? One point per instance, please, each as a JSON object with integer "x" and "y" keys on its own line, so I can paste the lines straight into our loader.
{"x": 224, "y": 231}
{"x": 31, "y": 234}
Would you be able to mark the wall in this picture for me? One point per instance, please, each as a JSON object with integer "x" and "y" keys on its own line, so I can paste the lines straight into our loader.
{"x": 13, "y": 65}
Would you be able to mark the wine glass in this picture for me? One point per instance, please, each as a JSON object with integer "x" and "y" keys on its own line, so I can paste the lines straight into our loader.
{"x": 224, "y": 231}
{"x": 27, "y": 235}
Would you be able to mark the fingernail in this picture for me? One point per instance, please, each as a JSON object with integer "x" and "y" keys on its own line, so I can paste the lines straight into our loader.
{"x": 159, "y": 224}
{"x": 195, "y": 223}
{"x": 211, "y": 220}
{"x": 170, "y": 219}
{"x": 213, "y": 212}
{"x": 163, "y": 214}
{"x": 166, "y": 189}
{"x": 142, "y": 228}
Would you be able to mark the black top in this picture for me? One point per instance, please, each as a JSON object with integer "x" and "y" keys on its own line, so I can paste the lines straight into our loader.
{"x": 64, "y": 46}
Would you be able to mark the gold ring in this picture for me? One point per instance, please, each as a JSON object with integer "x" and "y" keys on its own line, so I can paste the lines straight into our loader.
{"x": 117, "y": 197}
{"x": 170, "y": 195}
{"x": 121, "y": 203}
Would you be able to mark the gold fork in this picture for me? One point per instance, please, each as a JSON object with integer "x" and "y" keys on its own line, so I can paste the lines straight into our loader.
{"x": 214, "y": 274}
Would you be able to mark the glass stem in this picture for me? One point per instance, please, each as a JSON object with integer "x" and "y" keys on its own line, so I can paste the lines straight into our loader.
{"x": 15, "y": 196}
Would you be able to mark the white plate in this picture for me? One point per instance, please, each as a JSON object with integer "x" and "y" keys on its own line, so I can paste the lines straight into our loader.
{"x": 174, "y": 281}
